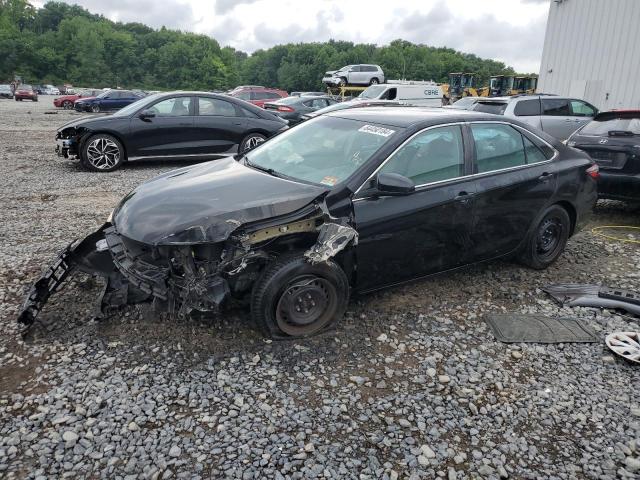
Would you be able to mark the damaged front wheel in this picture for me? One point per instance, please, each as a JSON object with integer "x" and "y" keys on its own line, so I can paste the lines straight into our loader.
{"x": 294, "y": 298}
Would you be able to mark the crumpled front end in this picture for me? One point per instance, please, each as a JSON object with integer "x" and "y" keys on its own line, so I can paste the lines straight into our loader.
{"x": 181, "y": 277}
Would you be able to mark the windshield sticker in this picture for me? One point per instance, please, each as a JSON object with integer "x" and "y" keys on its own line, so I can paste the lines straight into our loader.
{"x": 383, "y": 132}
{"x": 329, "y": 180}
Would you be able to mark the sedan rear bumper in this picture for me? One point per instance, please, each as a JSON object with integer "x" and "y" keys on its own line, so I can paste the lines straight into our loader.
{"x": 619, "y": 186}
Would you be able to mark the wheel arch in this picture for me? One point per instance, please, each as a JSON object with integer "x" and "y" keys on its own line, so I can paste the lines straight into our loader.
{"x": 571, "y": 210}
{"x": 117, "y": 135}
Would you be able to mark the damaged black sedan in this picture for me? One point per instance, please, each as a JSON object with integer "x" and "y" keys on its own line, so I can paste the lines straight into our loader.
{"x": 352, "y": 201}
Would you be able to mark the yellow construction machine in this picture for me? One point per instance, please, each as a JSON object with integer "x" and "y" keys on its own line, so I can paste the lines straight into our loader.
{"x": 460, "y": 85}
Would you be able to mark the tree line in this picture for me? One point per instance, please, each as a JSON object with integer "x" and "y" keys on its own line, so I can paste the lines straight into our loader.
{"x": 61, "y": 43}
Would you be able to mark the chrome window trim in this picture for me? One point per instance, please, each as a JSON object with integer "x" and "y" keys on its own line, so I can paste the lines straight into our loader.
{"x": 464, "y": 177}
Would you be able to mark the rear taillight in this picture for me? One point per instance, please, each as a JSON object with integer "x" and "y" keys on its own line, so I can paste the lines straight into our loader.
{"x": 283, "y": 108}
{"x": 594, "y": 171}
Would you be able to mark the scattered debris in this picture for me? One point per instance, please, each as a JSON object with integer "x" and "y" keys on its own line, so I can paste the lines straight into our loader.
{"x": 577, "y": 295}
{"x": 527, "y": 328}
{"x": 625, "y": 344}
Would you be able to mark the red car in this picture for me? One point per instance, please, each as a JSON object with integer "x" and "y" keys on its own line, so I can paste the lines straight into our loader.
{"x": 25, "y": 92}
{"x": 66, "y": 101}
{"x": 259, "y": 95}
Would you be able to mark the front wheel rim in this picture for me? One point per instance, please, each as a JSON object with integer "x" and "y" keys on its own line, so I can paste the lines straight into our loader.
{"x": 306, "y": 305}
{"x": 95, "y": 108}
{"x": 549, "y": 237}
{"x": 103, "y": 153}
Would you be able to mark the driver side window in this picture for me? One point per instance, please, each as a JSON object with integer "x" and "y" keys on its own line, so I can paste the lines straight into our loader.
{"x": 434, "y": 155}
{"x": 174, "y": 107}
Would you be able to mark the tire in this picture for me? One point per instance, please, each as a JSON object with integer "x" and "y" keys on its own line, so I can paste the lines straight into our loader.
{"x": 250, "y": 142}
{"x": 102, "y": 153}
{"x": 374, "y": 81}
{"x": 293, "y": 298}
{"x": 95, "y": 108}
{"x": 342, "y": 82}
{"x": 35, "y": 99}
{"x": 67, "y": 105}
{"x": 547, "y": 239}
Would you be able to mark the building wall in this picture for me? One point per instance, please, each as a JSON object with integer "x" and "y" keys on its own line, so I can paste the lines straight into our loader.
{"x": 592, "y": 51}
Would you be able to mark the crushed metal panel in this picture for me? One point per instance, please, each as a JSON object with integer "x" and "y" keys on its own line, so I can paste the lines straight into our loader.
{"x": 332, "y": 239}
{"x": 578, "y": 295}
{"x": 307, "y": 225}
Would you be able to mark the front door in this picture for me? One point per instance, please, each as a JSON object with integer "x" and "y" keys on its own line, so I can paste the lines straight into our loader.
{"x": 514, "y": 181}
{"x": 168, "y": 133}
{"x": 424, "y": 232}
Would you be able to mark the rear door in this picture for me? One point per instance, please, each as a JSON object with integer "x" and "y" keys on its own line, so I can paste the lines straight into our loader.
{"x": 219, "y": 125}
{"x": 169, "y": 133}
{"x": 529, "y": 111}
{"x": 515, "y": 179}
{"x": 427, "y": 231}
{"x": 557, "y": 119}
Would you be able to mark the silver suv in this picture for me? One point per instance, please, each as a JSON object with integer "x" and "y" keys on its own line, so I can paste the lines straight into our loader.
{"x": 354, "y": 75}
{"x": 557, "y": 116}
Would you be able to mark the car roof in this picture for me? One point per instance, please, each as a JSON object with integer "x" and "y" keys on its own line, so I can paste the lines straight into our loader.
{"x": 407, "y": 116}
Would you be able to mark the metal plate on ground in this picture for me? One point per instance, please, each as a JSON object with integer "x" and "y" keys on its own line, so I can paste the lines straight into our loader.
{"x": 530, "y": 328}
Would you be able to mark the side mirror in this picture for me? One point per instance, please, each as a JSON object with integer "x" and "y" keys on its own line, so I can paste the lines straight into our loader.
{"x": 146, "y": 114}
{"x": 394, "y": 184}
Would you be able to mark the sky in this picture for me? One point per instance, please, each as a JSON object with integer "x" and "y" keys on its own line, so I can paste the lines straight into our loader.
{"x": 511, "y": 31}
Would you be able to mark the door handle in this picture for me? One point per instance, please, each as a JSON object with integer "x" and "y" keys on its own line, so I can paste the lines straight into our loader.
{"x": 545, "y": 177}
{"x": 237, "y": 123}
{"x": 463, "y": 197}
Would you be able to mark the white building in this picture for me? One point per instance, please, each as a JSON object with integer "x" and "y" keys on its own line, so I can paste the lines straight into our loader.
{"x": 592, "y": 51}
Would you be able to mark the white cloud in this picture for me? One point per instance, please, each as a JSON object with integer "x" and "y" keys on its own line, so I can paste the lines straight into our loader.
{"x": 511, "y": 31}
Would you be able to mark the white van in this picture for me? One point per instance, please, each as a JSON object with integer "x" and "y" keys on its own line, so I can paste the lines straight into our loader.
{"x": 427, "y": 94}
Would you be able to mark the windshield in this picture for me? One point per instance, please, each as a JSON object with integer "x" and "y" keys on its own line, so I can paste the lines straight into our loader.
{"x": 5, "y": 87}
{"x": 497, "y": 108}
{"x": 465, "y": 102}
{"x": 135, "y": 106}
{"x": 325, "y": 150}
{"x": 374, "y": 91}
{"x": 25, "y": 87}
{"x": 604, "y": 127}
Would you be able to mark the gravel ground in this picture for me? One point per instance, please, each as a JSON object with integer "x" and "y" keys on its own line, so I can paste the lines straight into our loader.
{"x": 411, "y": 384}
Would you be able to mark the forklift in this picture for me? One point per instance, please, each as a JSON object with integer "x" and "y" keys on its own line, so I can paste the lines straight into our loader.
{"x": 460, "y": 85}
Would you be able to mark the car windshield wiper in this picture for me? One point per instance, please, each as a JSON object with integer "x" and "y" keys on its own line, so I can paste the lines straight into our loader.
{"x": 270, "y": 171}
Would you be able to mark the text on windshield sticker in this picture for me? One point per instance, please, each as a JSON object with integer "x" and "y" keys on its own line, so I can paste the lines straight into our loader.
{"x": 383, "y": 132}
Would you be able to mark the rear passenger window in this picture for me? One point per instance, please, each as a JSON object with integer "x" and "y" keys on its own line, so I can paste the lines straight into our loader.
{"x": 431, "y": 156}
{"x": 532, "y": 152}
{"x": 556, "y": 107}
{"x": 497, "y": 147}
{"x": 215, "y": 107}
{"x": 527, "y": 108}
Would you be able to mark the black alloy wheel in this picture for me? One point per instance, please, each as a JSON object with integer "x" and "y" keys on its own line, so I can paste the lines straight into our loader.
{"x": 95, "y": 108}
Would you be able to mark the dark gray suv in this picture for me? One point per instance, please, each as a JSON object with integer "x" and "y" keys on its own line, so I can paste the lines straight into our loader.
{"x": 557, "y": 116}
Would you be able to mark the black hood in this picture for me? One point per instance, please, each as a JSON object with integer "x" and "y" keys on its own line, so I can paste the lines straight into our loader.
{"x": 89, "y": 121}
{"x": 205, "y": 203}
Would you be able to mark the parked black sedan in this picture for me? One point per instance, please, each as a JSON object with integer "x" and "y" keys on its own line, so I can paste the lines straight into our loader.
{"x": 293, "y": 108}
{"x": 166, "y": 125}
{"x": 354, "y": 200}
{"x": 612, "y": 139}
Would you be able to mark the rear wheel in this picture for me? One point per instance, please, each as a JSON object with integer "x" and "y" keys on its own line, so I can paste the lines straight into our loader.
{"x": 547, "y": 240}
{"x": 294, "y": 298}
{"x": 250, "y": 142}
{"x": 95, "y": 108}
{"x": 101, "y": 153}
{"x": 67, "y": 105}
{"x": 35, "y": 99}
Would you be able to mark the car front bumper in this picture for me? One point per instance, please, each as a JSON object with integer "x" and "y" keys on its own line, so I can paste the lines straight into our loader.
{"x": 66, "y": 147}
{"x": 619, "y": 186}
{"x": 331, "y": 80}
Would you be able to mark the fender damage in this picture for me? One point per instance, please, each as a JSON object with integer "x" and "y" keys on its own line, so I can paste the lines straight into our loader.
{"x": 180, "y": 276}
